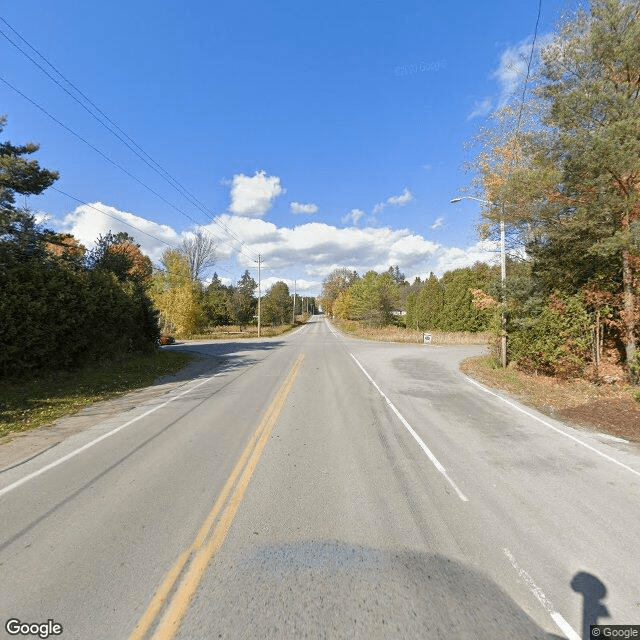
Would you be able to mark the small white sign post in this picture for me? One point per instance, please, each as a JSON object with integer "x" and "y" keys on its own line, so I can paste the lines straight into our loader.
{"x": 426, "y": 337}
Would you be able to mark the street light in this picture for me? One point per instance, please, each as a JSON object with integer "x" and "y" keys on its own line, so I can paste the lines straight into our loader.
{"x": 503, "y": 275}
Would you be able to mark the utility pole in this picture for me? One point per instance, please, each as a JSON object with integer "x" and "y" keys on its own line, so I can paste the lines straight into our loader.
{"x": 259, "y": 292}
{"x": 293, "y": 321}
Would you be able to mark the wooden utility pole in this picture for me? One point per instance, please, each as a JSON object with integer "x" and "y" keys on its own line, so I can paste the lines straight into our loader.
{"x": 259, "y": 292}
{"x": 293, "y": 321}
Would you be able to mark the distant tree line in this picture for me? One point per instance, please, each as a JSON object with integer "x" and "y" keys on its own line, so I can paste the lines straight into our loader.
{"x": 451, "y": 303}
{"x": 188, "y": 305}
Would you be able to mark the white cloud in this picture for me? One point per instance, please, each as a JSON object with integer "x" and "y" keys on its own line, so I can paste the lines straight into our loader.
{"x": 512, "y": 68}
{"x": 307, "y": 252}
{"x": 402, "y": 199}
{"x": 510, "y": 73}
{"x": 481, "y": 108}
{"x": 456, "y": 258}
{"x": 437, "y": 224}
{"x": 89, "y": 221}
{"x": 304, "y": 209}
{"x": 353, "y": 217}
{"x": 41, "y": 217}
{"x": 253, "y": 196}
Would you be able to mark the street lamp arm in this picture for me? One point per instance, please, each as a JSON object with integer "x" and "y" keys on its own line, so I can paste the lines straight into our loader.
{"x": 459, "y": 198}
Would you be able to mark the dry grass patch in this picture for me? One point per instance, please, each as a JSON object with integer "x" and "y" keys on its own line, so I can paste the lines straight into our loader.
{"x": 251, "y": 331}
{"x": 393, "y": 333}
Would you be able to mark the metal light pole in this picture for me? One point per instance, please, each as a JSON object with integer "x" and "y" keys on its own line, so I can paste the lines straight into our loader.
{"x": 503, "y": 276}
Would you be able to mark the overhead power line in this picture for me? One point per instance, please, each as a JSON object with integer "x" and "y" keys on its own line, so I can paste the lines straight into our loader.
{"x": 106, "y": 122}
{"x": 526, "y": 80}
{"x": 110, "y": 161}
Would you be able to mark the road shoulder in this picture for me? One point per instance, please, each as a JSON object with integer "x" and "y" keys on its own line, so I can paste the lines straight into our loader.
{"x": 20, "y": 447}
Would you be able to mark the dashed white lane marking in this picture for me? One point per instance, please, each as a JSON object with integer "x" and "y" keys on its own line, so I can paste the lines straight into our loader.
{"x": 560, "y": 622}
{"x": 423, "y": 446}
{"x": 560, "y": 431}
{"x": 104, "y": 436}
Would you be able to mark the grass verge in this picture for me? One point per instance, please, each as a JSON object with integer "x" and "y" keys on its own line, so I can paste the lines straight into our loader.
{"x": 394, "y": 333}
{"x": 34, "y": 403}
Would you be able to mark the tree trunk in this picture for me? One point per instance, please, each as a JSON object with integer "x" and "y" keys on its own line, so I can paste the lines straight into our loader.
{"x": 629, "y": 314}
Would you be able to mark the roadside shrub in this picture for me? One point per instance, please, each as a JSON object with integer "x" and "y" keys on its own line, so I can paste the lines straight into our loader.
{"x": 56, "y": 316}
{"x": 557, "y": 342}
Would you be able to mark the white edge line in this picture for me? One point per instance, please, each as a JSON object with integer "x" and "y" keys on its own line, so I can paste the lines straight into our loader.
{"x": 560, "y": 622}
{"x": 423, "y": 446}
{"x": 104, "y": 436}
{"x": 547, "y": 424}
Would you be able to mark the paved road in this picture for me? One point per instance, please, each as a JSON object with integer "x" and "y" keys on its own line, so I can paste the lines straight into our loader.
{"x": 323, "y": 487}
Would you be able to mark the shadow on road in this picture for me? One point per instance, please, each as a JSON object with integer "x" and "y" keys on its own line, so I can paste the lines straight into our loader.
{"x": 331, "y": 589}
{"x": 593, "y": 591}
{"x": 219, "y": 357}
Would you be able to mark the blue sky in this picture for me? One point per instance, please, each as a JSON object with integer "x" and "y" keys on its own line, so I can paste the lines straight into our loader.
{"x": 317, "y": 134}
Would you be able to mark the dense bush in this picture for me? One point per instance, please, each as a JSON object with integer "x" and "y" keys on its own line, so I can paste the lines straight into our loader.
{"x": 57, "y": 315}
{"x": 558, "y": 342}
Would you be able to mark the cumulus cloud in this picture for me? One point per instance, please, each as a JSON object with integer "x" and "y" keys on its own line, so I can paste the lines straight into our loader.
{"x": 353, "y": 217}
{"x": 252, "y": 196}
{"x": 402, "y": 199}
{"x": 88, "y": 221}
{"x": 437, "y": 224}
{"x": 304, "y": 209}
{"x": 307, "y": 252}
{"x": 457, "y": 257}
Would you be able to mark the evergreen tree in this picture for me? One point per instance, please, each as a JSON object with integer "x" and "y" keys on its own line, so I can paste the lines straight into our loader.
{"x": 593, "y": 106}
{"x": 243, "y": 303}
{"x": 216, "y": 303}
{"x": 375, "y": 298}
{"x": 18, "y": 175}
{"x": 429, "y": 305}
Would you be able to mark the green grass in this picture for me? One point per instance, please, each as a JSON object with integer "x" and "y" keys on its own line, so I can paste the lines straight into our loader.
{"x": 30, "y": 404}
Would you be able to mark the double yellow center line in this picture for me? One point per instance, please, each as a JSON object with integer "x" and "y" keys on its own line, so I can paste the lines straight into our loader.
{"x": 171, "y": 600}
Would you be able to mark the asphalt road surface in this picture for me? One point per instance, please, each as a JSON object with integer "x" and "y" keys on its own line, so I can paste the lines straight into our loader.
{"x": 317, "y": 486}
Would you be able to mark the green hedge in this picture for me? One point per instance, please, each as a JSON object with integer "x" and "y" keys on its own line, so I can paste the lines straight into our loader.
{"x": 54, "y": 315}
